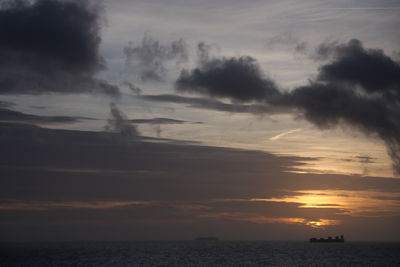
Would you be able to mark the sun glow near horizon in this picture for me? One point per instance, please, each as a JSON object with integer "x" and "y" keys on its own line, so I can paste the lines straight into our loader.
{"x": 362, "y": 203}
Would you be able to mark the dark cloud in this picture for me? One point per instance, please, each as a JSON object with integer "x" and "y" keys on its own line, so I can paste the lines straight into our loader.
{"x": 358, "y": 87}
{"x": 50, "y": 46}
{"x": 148, "y": 60}
{"x": 240, "y": 79}
{"x": 16, "y": 116}
{"x": 353, "y": 64}
{"x": 119, "y": 123}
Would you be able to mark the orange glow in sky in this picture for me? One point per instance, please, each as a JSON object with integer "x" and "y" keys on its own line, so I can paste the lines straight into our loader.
{"x": 350, "y": 202}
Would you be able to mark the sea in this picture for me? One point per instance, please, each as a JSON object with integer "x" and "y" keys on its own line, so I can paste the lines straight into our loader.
{"x": 200, "y": 253}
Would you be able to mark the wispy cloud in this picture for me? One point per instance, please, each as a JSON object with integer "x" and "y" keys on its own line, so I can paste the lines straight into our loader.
{"x": 356, "y": 8}
{"x": 278, "y": 136}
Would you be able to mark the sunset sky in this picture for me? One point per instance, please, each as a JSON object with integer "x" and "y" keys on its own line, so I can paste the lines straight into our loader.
{"x": 173, "y": 119}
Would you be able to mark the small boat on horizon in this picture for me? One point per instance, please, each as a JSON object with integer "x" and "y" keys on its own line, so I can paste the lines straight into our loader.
{"x": 207, "y": 238}
{"x": 337, "y": 239}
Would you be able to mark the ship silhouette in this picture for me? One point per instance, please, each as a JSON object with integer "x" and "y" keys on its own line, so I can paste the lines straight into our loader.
{"x": 337, "y": 239}
{"x": 207, "y": 238}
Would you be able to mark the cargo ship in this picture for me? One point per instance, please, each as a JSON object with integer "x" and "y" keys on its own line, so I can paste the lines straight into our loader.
{"x": 337, "y": 239}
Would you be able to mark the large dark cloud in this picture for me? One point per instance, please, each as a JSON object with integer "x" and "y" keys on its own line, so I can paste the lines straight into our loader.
{"x": 50, "y": 46}
{"x": 358, "y": 87}
{"x": 238, "y": 78}
{"x": 353, "y": 64}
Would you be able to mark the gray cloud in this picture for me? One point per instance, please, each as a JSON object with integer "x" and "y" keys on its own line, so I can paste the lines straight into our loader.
{"x": 136, "y": 90}
{"x": 6, "y": 104}
{"x": 358, "y": 87}
{"x": 161, "y": 121}
{"x": 50, "y": 46}
{"x": 157, "y": 122}
{"x": 126, "y": 128}
{"x": 205, "y": 52}
{"x": 288, "y": 40}
{"x": 148, "y": 60}
{"x": 119, "y": 123}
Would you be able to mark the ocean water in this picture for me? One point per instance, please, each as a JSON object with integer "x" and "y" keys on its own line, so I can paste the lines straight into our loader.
{"x": 200, "y": 253}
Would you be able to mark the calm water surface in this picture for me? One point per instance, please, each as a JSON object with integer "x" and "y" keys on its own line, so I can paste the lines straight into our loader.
{"x": 199, "y": 253}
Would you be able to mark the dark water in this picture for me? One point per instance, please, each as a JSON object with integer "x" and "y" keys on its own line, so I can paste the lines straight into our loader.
{"x": 199, "y": 253}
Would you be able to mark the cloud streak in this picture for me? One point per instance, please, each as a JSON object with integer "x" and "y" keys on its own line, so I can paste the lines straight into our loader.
{"x": 213, "y": 104}
{"x": 7, "y": 115}
{"x": 278, "y": 136}
{"x": 161, "y": 121}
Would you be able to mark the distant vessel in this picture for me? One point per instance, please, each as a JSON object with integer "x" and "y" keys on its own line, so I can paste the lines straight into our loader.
{"x": 207, "y": 238}
{"x": 328, "y": 240}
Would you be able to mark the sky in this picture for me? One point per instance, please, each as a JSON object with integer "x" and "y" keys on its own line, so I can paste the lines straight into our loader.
{"x": 170, "y": 120}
